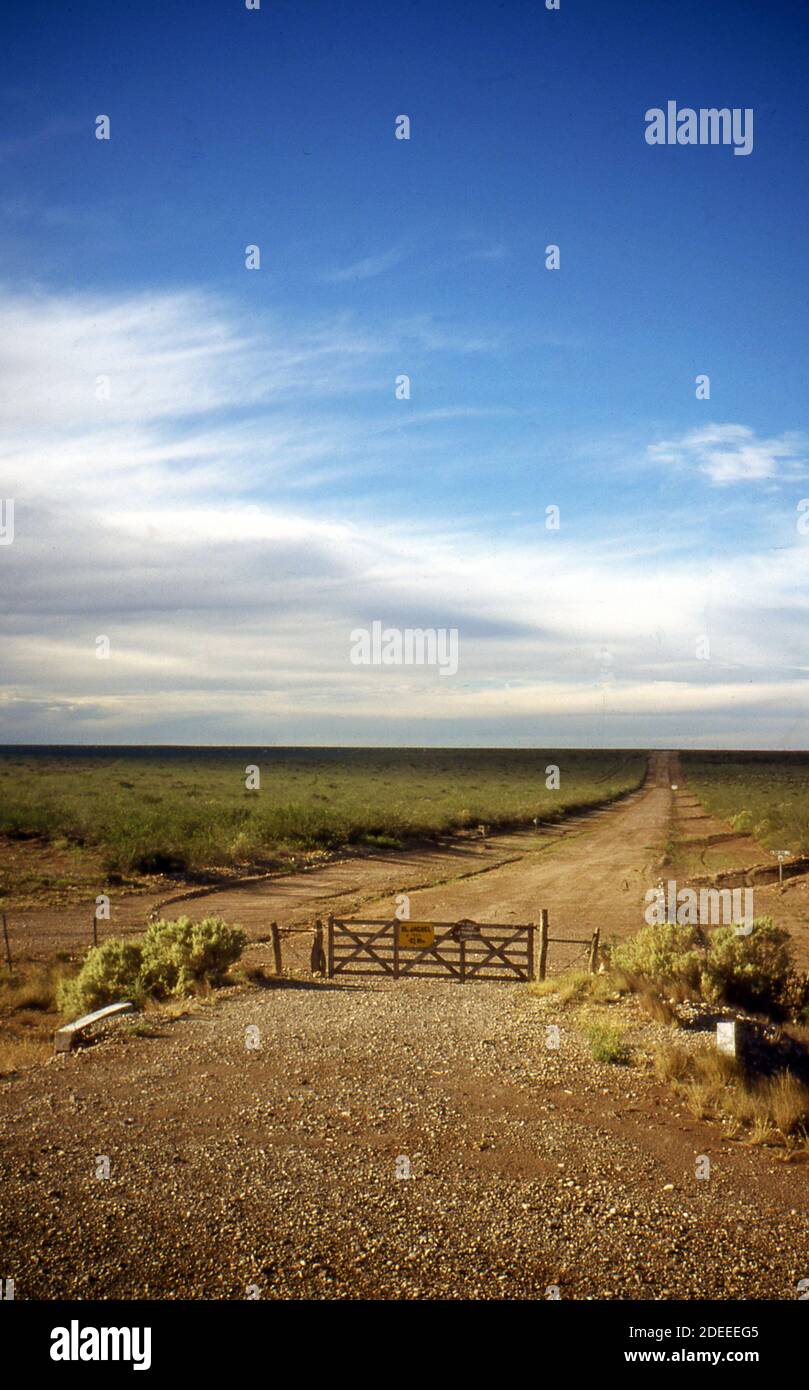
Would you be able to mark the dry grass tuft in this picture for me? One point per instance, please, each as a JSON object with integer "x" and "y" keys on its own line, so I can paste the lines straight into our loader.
{"x": 28, "y": 1014}
{"x": 658, "y": 1007}
{"x": 765, "y": 1110}
{"x": 577, "y": 987}
{"x": 17, "y": 1053}
{"x": 30, "y": 986}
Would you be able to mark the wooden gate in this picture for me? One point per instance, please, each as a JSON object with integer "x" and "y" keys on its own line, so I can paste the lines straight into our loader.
{"x": 430, "y": 950}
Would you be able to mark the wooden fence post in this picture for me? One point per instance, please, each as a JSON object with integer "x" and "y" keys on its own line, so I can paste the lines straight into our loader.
{"x": 330, "y": 965}
{"x": 593, "y": 959}
{"x": 276, "y": 948}
{"x": 8, "y": 948}
{"x": 95, "y": 930}
{"x": 318, "y": 960}
{"x": 543, "y": 941}
{"x": 531, "y": 963}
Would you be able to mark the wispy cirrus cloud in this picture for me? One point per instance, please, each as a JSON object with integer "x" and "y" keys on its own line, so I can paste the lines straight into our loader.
{"x": 163, "y": 356}
{"x": 366, "y": 268}
{"x": 174, "y": 394}
{"x": 731, "y": 453}
{"x": 443, "y": 335}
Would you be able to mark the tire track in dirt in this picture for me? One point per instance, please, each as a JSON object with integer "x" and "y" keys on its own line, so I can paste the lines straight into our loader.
{"x": 595, "y": 876}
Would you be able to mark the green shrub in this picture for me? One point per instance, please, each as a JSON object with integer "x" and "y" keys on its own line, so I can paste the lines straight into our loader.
{"x": 607, "y": 1043}
{"x": 752, "y": 971}
{"x": 243, "y": 846}
{"x": 380, "y": 841}
{"x": 179, "y": 955}
{"x": 664, "y": 953}
{"x": 172, "y": 959}
{"x": 111, "y": 972}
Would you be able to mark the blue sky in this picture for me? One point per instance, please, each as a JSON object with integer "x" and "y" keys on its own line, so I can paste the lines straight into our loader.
{"x": 253, "y": 491}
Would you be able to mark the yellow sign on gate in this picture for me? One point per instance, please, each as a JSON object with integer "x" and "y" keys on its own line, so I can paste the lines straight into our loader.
{"x": 416, "y": 937}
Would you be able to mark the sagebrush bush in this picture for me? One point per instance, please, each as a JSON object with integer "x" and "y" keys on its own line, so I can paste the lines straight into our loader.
{"x": 172, "y": 959}
{"x": 754, "y": 971}
{"x": 111, "y": 972}
{"x": 751, "y": 971}
{"x": 663, "y": 953}
{"x": 181, "y": 954}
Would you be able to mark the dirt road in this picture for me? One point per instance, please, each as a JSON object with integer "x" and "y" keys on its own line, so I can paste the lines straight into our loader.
{"x": 395, "y": 1139}
{"x": 568, "y": 867}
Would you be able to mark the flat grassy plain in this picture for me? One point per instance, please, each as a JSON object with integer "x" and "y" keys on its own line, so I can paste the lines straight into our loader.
{"x": 181, "y": 810}
{"x": 763, "y": 794}
{"x": 74, "y": 820}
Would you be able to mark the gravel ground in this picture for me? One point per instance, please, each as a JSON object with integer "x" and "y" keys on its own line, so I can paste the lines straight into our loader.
{"x": 276, "y": 1168}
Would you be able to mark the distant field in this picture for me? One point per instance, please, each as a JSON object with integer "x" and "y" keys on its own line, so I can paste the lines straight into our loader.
{"x": 170, "y": 809}
{"x": 766, "y": 794}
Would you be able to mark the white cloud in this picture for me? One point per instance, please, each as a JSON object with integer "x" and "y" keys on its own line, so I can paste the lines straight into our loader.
{"x": 186, "y": 520}
{"x": 734, "y": 454}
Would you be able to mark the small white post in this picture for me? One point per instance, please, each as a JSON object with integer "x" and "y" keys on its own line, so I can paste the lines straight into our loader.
{"x": 726, "y": 1040}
